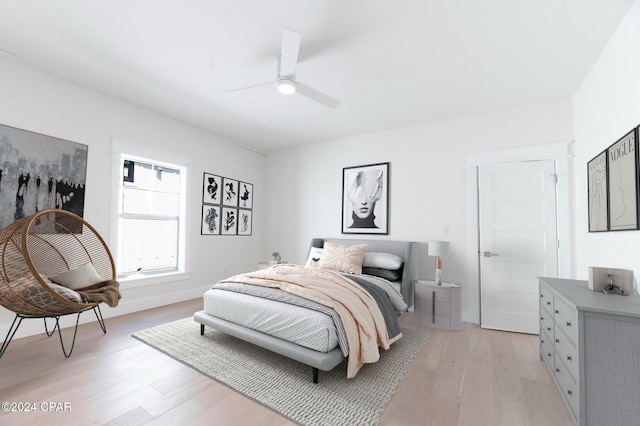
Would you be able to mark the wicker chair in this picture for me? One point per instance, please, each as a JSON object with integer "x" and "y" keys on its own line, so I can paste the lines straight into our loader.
{"x": 43, "y": 245}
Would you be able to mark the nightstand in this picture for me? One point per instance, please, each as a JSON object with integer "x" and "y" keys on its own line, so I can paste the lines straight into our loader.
{"x": 438, "y": 306}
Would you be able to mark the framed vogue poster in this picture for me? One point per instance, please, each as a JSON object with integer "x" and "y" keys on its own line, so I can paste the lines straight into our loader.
{"x": 622, "y": 168}
{"x": 211, "y": 189}
{"x": 597, "y": 193}
{"x": 365, "y": 199}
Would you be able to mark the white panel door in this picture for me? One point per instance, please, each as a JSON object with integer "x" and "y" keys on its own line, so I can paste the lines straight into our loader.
{"x": 518, "y": 241}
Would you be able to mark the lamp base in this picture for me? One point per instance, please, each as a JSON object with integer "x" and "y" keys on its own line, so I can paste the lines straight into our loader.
{"x": 438, "y": 276}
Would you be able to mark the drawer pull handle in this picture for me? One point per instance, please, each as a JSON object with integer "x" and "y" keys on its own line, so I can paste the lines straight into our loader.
{"x": 557, "y": 340}
{"x": 549, "y": 355}
{"x": 569, "y": 393}
{"x": 541, "y": 341}
{"x": 548, "y": 303}
{"x": 548, "y": 328}
{"x": 557, "y": 311}
{"x": 433, "y": 308}
{"x": 568, "y": 324}
{"x": 557, "y": 370}
{"x": 568, "y": 358}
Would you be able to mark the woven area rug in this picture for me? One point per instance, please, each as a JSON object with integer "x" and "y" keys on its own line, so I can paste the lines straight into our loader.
{"x": 285, "y": 385}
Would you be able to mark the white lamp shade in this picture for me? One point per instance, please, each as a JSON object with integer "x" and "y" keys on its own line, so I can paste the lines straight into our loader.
{"x": 438, "y": 248}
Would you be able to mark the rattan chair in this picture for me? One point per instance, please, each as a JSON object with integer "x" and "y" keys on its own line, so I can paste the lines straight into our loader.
{"x": 43, "y": 245}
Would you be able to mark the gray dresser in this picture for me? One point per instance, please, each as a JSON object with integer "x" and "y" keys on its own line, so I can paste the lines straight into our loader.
{"x": 591, "y": 343}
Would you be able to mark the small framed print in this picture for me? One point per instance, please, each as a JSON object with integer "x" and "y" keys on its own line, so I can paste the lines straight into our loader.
{"x": 622, "y": 180}
{"x": 245, "y": 192}
{"x": 229, "y": 192}
{"x": 365, "y": 199}
{"x": 211, "y": 189}
{"x": 244, "y": 221}
{"x": 210, "y": 220}
{"x": 229, "y": 224}
{"x": 598, "y": 193}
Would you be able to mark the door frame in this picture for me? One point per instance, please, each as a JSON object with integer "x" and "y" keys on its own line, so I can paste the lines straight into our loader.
{"x": 562, "y": 154}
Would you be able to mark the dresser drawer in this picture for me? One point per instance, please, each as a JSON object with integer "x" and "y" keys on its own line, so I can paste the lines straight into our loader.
{"x": 546, "y": 322}
{"x": 440, "y": 294}
{"x": 442, "y": 308}
{"x": 567, "y": 353}
{"x": 567, "y": 384}
{"x": 546, "y": 349}
{"x": 546, "y": 299}
{"x": 567, "y": 319}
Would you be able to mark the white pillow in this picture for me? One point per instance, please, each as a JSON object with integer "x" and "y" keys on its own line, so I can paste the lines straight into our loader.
{"x": 66, "y": 292}
{"x": 343, "y": 258}
{"x": 80, "y": 277}
{"x": 374, "y": 259}
{"x": 314, "y": 257}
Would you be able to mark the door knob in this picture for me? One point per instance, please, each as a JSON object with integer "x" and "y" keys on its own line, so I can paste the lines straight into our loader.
{"x": 489, "y": 254}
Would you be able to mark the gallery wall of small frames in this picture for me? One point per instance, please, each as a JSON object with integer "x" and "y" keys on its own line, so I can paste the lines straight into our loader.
{"x": 613, "y": 186}
{"x": 227, "y": 206}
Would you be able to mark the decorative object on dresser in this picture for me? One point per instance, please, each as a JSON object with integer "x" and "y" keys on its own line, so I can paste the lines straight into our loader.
{"x": 438, "y": 305}
{"x": 590, "y": 342}
{"x": 437, "y": 249}
{"x": 611, "y": 280}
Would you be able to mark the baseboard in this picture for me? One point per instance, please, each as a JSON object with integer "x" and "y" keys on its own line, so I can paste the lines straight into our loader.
{"x": 30, "y": 327}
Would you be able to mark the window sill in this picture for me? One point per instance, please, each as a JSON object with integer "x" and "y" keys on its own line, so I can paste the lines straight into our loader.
{"x": 139, "y": 280}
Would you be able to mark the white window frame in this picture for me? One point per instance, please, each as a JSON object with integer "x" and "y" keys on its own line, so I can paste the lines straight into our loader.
{"x": 122, "y": 150}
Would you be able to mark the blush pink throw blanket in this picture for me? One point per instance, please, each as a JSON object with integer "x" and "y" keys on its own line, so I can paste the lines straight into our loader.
{"x": 361, "y": 317}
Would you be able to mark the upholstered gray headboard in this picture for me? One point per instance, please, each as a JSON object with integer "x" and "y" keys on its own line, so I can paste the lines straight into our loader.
{"x": 399, "y": 248}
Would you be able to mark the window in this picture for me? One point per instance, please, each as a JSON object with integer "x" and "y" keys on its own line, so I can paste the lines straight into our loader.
{"x": 151, "y": 202}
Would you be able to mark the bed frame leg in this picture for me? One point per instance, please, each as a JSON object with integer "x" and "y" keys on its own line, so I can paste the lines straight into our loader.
{"x": 202, "y": 329}
{"x": 315, "y": 375}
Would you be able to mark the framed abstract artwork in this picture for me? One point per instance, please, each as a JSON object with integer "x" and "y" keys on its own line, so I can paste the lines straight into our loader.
{"x": 229, "y": 221}
{"x": 211, "y": 189}
{"x": 245, "y": 191}
{"x": 229, "y": 192}
{"x": 245, "y": 218}
{"x": 210, "y": 220}
{"x": 39, "y": 172}
{"x": 365, "y": 199}
{"x": 622, "y": 181}
{"x": 598, "y": 193}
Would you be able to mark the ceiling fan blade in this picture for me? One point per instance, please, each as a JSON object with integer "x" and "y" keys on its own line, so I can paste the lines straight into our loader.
{"x": 289, "y": 52}
{"x": 313, "y": 94}
{"x": 250, "y": 87}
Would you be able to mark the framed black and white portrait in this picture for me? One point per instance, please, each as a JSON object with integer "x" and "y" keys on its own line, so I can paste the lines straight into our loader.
{"x": 245, "y": 195}
{"x": 365, "y": 199}
{"x": 229, "y": 192}
{"x": 245, "y": 218}
{"x": 229, "y": 221}
{"x": 210, "y": 220}
{"x": 211, "y": 189}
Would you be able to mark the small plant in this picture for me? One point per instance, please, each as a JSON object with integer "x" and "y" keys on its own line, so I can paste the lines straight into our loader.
{"x": 276, "y": 256}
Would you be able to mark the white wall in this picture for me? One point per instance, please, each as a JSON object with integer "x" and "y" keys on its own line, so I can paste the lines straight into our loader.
{"x": 606, "y": 106}
{"x": 36, "y": 102}
{"x": 428, "y": 183}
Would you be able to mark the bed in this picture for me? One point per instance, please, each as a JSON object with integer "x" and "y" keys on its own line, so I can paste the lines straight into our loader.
{"x": 285, "y": 308}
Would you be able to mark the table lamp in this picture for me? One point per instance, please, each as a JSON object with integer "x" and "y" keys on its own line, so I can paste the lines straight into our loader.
{"x": 437, "y": 249}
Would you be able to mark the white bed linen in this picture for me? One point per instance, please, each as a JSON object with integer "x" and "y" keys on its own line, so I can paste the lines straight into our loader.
{"x": 295, "y": 324}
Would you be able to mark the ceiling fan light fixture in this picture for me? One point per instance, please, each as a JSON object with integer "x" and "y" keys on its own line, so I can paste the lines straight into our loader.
{"x": 286, "y": 86}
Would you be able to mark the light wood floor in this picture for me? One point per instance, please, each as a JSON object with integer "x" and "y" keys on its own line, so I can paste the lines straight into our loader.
{"x": 472, "y": 377}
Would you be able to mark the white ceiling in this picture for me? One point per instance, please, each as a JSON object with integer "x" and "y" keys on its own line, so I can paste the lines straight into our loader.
{"x": 390, "y": 63}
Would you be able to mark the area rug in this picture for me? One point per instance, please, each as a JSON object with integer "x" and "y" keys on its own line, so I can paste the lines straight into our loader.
{"x": 285, "y": 385}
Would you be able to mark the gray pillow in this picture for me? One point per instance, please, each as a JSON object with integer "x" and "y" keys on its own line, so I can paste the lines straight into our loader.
{"x": 380, "y": 260}
{"x": 387, "y": 274}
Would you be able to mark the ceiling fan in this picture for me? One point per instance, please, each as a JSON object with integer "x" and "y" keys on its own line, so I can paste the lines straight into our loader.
{"x": 286, "y": 78}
